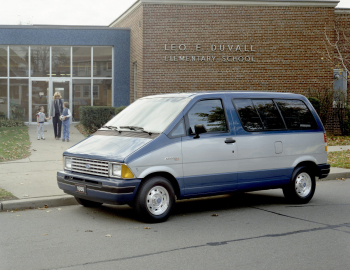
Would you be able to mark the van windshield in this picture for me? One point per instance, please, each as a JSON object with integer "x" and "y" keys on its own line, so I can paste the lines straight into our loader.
{"x": 150, "y": 114}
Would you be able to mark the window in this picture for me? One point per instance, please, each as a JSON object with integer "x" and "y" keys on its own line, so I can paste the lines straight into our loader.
{"x": 40, "y": 61}
{"x": 258, "y": 114}
{"x": 296, "y": 114}
{"x": 19, "y": 65}
{"x": 179, "y": 130}
{"x": 86, "y": 91}
{"x": 102, "y": 61}
{"x": 269, "y": 115}
{"x": 3, "y": 61}
{"x": 249, "y": 116}
{"x": 210, "y": 113}
{"x": 96, "y": 92}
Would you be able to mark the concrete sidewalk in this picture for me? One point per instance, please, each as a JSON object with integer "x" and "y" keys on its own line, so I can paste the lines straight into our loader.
{"x": 33, "y": 180}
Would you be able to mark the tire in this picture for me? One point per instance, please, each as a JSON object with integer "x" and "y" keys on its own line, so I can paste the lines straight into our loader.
{"x": 302, "y": 186}
{"x": 155, "y": 200}
{"x": 88, "y": 203}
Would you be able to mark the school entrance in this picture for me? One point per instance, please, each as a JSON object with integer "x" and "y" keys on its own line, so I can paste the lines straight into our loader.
{"x": 42, "y": 91}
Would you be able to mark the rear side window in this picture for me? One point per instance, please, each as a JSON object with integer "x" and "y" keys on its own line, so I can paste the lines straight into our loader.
{"x": 269, "y": 114}
{"x": 296, "y": 114}
{"x": 249, "y": 116}
{"x": 210, "y": 113}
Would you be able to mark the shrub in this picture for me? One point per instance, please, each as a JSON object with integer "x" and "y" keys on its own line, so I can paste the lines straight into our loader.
{"x": 325, "y": 97}
{"x": 342, "y": 112}
{"x": 316, "y": 103}
{"x": 93, "y": 118}
{"x": 11, "y": 123}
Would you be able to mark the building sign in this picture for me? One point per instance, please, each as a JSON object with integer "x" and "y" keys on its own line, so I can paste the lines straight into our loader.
{"x": 219, "y": 53}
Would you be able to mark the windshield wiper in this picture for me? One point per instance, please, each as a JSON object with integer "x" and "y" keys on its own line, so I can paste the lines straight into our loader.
{"x": 136, "y": 128}
{"x": 111, "y": 127}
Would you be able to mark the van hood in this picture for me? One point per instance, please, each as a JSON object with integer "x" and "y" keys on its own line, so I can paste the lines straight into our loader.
{"x": 111, "y": 148}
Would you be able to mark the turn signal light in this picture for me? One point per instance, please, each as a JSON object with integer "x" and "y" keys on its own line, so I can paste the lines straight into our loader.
{"x": 126, "y": 172}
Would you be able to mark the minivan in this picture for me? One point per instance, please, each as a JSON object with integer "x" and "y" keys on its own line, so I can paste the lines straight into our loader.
{"x": 169, "y": 147}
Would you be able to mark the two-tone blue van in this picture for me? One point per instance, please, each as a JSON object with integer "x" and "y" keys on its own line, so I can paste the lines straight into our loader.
{"x": 179, "y": 146}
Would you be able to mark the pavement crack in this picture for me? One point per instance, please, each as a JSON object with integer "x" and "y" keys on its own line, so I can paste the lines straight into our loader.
{"x": 211, "y": 244}
{"x": 283, "y": 215}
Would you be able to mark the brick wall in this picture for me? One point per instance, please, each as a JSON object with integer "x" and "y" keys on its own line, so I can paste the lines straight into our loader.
{"x": 285, "y": 41}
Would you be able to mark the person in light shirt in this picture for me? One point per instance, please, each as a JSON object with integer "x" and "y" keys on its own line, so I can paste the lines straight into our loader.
{"x": 66, "y": 116}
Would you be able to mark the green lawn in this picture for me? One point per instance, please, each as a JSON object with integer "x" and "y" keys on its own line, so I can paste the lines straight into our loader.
{"x": 14, "y": 143}
{"x": 339, "y": 159}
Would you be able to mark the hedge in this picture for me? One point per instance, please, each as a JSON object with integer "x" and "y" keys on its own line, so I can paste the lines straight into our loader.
{"x": 93, "y": 118}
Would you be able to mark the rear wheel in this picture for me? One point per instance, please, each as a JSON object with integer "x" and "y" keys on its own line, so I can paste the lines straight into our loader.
{"x": 155, "y": 199}
{"x": 87, "y": 203}
{"x": 302, "y": 187}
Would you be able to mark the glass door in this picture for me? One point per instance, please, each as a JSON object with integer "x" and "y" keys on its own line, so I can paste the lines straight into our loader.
{"x": 62, "y": 86}
{"x": 40, "y": 97}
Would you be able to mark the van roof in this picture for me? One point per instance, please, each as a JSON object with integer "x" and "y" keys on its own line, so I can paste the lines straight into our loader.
{"x": 238, "y": 94}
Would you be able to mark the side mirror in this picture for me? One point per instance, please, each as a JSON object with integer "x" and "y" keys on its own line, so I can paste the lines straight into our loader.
{"x": 199, "y": 129}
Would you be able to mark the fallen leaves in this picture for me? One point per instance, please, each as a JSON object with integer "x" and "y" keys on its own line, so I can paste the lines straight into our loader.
{"x": 338, "y": 140}
{"x": 339, "y": 159}
{"x": 14, "y": 143}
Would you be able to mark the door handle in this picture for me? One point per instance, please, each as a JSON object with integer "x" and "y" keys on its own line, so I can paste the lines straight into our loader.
{"x": 230, "y": 140}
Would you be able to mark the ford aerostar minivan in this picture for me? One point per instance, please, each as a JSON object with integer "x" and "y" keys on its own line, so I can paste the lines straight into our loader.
{"x": 178, "y": 146}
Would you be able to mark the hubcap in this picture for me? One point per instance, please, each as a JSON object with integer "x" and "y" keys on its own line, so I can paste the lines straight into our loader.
{"x": 303, "y": 185}
{"x": 157, "y": 200}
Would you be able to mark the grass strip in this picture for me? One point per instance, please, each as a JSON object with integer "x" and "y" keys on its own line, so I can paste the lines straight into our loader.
{"x": 339, "y": 159}
{"x": 338, "y": 140}
{"x": 5, "y": 195}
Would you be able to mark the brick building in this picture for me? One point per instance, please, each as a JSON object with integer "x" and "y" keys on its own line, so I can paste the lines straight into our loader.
{"x": 184, "y": 45}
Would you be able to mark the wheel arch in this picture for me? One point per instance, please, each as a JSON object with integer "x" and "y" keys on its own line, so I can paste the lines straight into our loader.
{"x": 310, "y": 164}
{"x": 168, "y": 176}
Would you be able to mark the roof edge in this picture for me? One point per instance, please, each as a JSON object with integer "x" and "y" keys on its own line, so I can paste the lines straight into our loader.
{"x": 68, "y": 27}
{"x": 278, "y": 3}
{"x": 342, "y": 11}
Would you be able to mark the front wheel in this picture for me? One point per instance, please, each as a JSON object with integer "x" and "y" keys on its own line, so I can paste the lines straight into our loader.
{"x": 87, "y": 203}
{"x": 302, "y": 187}
{"x": 155, "y": 199}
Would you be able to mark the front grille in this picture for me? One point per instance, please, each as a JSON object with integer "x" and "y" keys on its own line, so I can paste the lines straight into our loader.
{"x": 90, "y": 166}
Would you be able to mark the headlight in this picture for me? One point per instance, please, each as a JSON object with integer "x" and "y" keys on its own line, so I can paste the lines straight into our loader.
{"x": 116, "y": 170}
{"x": 67, "y": 163}
{"x": 120, "y": 171}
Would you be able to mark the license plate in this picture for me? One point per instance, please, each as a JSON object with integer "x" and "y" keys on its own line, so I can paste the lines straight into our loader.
{"x": 80, "y": 189}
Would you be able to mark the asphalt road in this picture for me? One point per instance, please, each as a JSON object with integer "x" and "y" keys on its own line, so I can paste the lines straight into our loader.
{"x": 255, "y": 230}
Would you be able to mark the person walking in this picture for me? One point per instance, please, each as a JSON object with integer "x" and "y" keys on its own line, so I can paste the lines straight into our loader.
{"x": 66, "y": 121}
{"x": 55, "y": 112}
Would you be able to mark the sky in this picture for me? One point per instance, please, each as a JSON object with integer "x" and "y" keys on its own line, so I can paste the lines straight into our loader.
{"x": 70, "y": 12}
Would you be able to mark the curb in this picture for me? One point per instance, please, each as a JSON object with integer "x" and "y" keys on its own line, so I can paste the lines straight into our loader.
{"x": 32, "y": 203}
{"x": 66, "y": 200}
{"x": 337, "y": 176}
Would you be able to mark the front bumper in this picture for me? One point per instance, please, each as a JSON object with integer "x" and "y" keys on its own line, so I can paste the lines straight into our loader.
{"x": 324, "y": 170}
{"x": 99, "y": 189}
